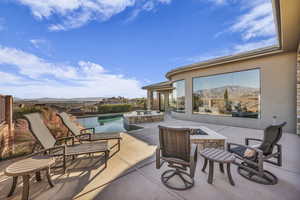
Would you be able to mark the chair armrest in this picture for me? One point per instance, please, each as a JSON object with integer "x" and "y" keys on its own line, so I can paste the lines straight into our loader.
{"x": 251, "y": 139}
{"x": 65, "y": 139}
{"x": 48, "y": 151}
{"x": 241, "y": 145}
{"x": 89, "y": 135}
{"x": 86, "y": 129}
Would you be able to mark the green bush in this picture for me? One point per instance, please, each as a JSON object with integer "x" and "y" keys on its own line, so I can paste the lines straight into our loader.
{"x": 114, "y": 108}
{"x": 19, "y": 112}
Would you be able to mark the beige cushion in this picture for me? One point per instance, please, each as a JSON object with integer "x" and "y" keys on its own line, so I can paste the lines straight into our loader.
{"x": 249, "y": 152}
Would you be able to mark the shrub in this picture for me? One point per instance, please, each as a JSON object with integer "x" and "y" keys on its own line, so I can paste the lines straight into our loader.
{"x": 114, "y": 108}
{"x": 19, "y": 112}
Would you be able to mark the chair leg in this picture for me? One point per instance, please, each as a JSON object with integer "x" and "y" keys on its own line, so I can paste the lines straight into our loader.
{"x": 13, "y": 186}
{"x": 204, "y": 165}
{"x": 49, "y": 177}
{"x": 229, "y": 174}
{"x": 64, "y": 163}
{"x": 25, "y": 193}
{"x": 221, "y": 167}
{"x": 38, "y": 176}
{"x": 211, "y": 172}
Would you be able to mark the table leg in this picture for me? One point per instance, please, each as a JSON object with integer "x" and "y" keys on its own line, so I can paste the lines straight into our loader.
{"x": 221, "y": 167}
{"x": 49, "y": 177}
{"x": 13, "y": 186}
{"x": 229, "y": 174}
{"x": 204, "y": 165}
{"x": 25, "y": 194}
{"x": 211, "y": 172}
{"x": 38, "y": 176}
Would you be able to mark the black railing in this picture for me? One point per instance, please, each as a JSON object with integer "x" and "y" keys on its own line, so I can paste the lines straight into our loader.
{"x": 2, "y": 109}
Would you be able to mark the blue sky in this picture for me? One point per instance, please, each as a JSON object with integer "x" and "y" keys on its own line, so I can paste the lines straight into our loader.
{"x": 249, "y": 78}
{"x": 98, "y": 48}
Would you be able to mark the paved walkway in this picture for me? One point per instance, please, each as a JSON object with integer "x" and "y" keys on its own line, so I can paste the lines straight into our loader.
{"x": 131, "y": 174}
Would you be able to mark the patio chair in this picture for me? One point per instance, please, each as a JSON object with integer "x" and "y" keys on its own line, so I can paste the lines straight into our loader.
{"x": 175, "y": 149}
{"x": 88, "y": 134}
{"x": 251, "y": 159}
{"x": 50, "y": 144}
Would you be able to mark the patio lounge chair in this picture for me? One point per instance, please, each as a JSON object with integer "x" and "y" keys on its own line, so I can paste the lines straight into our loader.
{"x": 50, "y": 144}
{"x": 175, "y": 149}
{"x": 252, "y": 158}
{"x": 83, "y": 135}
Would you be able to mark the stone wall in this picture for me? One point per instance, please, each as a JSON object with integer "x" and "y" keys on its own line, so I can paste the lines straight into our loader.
{"x": 298, "y": 91}
{"x": 137, "y": 119}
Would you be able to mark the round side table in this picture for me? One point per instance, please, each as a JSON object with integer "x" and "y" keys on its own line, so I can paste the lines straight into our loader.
{"x": 220, "y": 156}
{"x": 28, "y": 166}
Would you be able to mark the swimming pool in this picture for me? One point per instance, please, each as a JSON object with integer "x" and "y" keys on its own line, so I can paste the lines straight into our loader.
{"x": 104, "y": 124}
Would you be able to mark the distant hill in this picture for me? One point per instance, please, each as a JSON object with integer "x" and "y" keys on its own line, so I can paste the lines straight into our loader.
{"x": 87, "y": 99}
{"x": 234, "y": 91}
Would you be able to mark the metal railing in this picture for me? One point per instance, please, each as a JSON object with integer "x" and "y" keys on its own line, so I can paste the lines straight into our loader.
{"x": 2, "y": 109}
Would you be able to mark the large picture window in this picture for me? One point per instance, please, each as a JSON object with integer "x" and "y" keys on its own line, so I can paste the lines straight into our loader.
{"x": 235, "y": 94}
{"x": 177, "y": 97}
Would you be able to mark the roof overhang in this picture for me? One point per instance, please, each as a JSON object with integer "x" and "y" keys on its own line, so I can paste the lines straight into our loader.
{"x": 167, "y": 85}
{"x": 287, "y": 21}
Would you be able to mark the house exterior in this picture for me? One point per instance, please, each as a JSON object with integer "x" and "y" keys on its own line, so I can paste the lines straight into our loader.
{"x": 251, "y": 89}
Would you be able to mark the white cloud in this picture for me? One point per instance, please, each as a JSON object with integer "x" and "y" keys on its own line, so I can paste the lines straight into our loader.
{"x": 37, "y": 42}
{"x": 8, "y": 78}
{"x": 76, "y": 13}
{"x": 254, "y": 45}
{"x": 256, "y": 23}
{"x": 83, "y": 80}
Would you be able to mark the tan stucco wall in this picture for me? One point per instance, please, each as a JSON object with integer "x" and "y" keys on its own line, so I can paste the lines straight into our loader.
{"x": 278, "y": 91}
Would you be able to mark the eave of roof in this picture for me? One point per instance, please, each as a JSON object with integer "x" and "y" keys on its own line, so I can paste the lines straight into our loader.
{"x": 158, "y": 85}
{"x": 226, "y": 59}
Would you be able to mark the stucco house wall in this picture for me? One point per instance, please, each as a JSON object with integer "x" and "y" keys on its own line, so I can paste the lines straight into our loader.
{"x": 278, "y": 91}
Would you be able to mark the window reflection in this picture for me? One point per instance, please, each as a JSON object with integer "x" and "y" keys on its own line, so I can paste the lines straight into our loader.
{"x": 234, "y": 94}
{"x": 177, "y": 97}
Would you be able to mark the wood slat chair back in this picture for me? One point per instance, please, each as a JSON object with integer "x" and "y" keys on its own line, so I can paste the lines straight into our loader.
{"x": 175, "y": 142}
{"x": 69, "y": 123}
{"x": 40, "y": 131}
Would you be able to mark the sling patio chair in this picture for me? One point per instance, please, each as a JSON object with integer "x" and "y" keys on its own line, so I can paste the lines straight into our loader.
{"x": 51, "y": 145}
{"x": 88, "y": 134}
{"x": 251, "y": 159}
{"x": 176, "y": 149}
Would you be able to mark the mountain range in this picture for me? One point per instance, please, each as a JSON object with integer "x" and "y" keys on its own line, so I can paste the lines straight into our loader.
{"x": 234, "y": 91}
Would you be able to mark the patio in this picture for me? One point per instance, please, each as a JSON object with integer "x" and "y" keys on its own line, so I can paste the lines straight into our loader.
{"x": 131, "y": 173}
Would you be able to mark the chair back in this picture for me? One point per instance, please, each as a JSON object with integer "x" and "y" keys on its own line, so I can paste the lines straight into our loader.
{"x": 73, "y": 128}
{"x": 175, "y": 142}
{"x": 272, "y": 135}
{"x": 40, "y": 130}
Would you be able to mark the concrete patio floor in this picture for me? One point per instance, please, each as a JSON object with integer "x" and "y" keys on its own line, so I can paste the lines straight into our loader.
{"x": 131, "y": 173}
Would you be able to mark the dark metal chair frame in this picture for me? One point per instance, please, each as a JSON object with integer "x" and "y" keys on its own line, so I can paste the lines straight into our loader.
{"x": 89, "y": 134}
{"x": 175, "y": 149}
{"x": 251, "y": 167}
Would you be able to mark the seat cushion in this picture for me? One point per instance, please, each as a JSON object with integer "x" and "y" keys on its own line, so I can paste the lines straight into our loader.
{"x": 244, "y": 152}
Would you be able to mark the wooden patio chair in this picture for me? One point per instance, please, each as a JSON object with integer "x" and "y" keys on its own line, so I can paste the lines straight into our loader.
{"x": 251, "y": 159}
{"x": 51, "y": 146}
{"x": 88, "y": 134}
{"x": 176, "y": 149}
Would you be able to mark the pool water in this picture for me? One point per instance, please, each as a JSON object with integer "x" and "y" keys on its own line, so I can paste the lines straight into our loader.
{"x": 103, "y": 124}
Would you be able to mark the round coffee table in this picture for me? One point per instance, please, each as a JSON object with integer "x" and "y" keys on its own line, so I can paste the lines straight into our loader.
{"x": 220, "y": 156}
{"x": 24, "y": 168}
